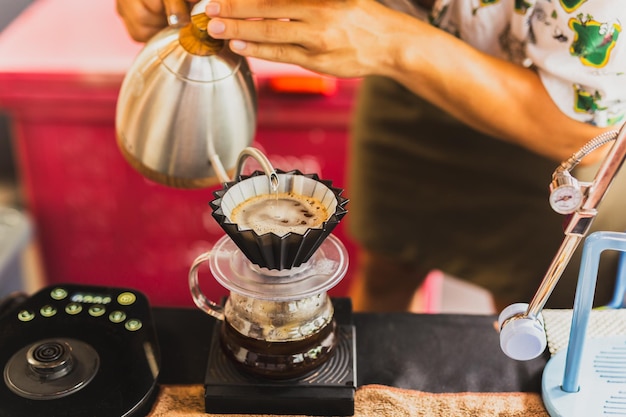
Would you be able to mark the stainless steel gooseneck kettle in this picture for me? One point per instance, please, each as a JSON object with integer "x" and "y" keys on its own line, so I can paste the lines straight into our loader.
{"x": 187, "y": 107}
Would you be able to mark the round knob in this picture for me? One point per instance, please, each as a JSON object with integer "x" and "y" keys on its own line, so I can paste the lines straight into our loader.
{"x": 52, "y": 368}
{"x": 521, "y": 338}
{"x": 51, "y": 359}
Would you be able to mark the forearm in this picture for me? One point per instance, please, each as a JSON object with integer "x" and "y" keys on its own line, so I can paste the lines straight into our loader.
{"x": 496, "y": 97}
{"x": 355, "y": 38}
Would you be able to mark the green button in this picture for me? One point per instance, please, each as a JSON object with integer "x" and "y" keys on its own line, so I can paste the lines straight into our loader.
{"x": 73, "y": 308}
{"x": 133, "y": 325}
{"x": 97, "y": 310}
{"x": 126, "y": 298}
{"x": 58, "y": 293}
{"x": 48, "y": 311}
{"x": 25, "y": 315}
{"x": 117, "y": 316}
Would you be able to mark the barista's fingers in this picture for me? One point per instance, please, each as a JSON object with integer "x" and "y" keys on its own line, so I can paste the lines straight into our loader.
{"x": 280, "y": 52}
{"x": 142, "y": 19}
{"x": 265, "y": 31}
{"x": 176, "y": 12}
{"x": 267, "y": 9}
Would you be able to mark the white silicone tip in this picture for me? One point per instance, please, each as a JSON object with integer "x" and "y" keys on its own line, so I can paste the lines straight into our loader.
{"x": 521, "y": 338}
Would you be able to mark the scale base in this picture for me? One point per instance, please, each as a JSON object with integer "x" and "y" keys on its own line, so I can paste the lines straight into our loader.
{"x": 602, "y": 381}
{"x": 326, "y": 391}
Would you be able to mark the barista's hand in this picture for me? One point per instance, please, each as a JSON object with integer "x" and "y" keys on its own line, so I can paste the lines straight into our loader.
{"x": 347, "y": 38}
{"x": 355, "y": 38}
{"x": 144, "y": 18}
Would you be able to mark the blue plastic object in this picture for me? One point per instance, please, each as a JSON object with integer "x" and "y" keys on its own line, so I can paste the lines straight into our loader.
{"x": 619, "y": 295}
{"x": 600, "y": 365}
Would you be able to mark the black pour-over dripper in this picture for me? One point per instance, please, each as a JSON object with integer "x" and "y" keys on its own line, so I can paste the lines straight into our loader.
{"x": 270, "y": 250}
{"x": 284, "y": 274}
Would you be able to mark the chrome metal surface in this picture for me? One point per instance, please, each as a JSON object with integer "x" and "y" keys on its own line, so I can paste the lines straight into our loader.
{"x": 589, "y": 147}
{"x": 551, "y": 278}
{"x": 580, "y": 222}
{"x": 51, "y": 369}
{"x": 179, "y": 115}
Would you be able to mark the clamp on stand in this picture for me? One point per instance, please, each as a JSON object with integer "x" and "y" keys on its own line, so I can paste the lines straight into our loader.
{"x": 521, "y": 326}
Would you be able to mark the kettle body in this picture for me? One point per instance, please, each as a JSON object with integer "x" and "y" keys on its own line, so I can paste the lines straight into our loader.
{"x": 180, "y": 116}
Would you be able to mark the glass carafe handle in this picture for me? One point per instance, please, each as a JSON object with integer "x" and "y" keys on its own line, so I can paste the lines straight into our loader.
{"x": 199, "y": 298}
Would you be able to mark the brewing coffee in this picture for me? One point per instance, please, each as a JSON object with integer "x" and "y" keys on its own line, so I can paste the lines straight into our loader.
{"x": 279, "y": 360}
{"x": 280, "y": 213}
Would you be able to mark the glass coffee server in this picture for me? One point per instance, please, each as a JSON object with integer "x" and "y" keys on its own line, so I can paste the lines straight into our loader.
{"x": 281, "y": 345}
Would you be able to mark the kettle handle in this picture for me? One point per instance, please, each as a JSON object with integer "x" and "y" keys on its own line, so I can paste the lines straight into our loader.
{"x": 201, "y": 300}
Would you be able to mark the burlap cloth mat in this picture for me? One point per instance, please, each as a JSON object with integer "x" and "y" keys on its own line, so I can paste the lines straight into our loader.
{"x": 384, "y": 401}
{"x": 380, "y": 401}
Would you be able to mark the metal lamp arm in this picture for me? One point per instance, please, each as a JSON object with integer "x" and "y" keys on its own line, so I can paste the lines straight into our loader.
{"x": 580, "y": 221}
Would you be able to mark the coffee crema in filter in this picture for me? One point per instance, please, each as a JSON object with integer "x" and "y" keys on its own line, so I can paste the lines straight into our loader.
{"x": 279, "y": 213}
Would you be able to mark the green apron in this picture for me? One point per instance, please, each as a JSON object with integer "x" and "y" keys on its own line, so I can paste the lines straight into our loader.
{"x": 436, "y": 194}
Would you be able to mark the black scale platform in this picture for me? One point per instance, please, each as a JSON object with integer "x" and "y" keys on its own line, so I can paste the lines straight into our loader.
{"x": 326, "y": 391}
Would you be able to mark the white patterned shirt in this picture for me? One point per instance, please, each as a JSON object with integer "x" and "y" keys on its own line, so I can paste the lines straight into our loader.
{"x": 577, "y": 47}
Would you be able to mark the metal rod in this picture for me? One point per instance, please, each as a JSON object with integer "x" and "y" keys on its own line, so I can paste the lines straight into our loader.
{"x": 580, "y": 222}
{"x": 551, "y": 278}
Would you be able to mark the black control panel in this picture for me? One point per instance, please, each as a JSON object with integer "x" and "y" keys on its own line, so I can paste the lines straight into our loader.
{"x": 75, "y": 350}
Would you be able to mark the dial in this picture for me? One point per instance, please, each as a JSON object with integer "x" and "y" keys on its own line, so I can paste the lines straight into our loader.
{"x": 566, "y": 199}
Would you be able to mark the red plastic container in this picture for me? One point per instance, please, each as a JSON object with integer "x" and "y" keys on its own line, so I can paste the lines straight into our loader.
{"x": 97, "y": 220}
